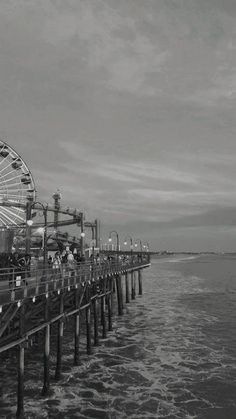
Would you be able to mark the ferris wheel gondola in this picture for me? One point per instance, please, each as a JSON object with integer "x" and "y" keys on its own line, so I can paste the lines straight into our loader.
{"x": 16, "y": 187}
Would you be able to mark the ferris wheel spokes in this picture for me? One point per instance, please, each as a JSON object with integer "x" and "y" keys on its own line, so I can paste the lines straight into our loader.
{"x": 8, "y": 211}
{"x": 16, "y": 186}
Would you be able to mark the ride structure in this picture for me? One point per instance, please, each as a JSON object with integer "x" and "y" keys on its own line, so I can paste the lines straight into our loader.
{"x": 18, "y": 207}
{"x": 16, "y": 186}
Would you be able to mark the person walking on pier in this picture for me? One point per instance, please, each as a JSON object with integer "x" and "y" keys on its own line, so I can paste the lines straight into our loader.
{"x": 56, "y": 264}
{"x": 71, "y": 263}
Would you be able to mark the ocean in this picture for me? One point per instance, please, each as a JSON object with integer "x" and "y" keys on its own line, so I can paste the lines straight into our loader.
{"x": 171, "y": 355}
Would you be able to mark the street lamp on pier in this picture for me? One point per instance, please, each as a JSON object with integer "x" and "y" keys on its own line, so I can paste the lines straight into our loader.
{"x": 141, "y": 248}
{"x": 131, "y": 246}
{"x": 146, "y": 246}
{"x": 140, "y": 244}
{"x": 117, "y": 239}
{"x": 29, "y": 223}
{"x": 82, "y": 233}
{"x": 131, "y": 242}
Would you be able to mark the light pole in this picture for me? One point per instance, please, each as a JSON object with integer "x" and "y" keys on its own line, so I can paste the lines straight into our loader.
{"x": 117, "y": 239}
{"x": 93, "y": 243}
{"x": 141, "y": 248}
{"x": 146, "y": 246}
{"x": 131, "y": 246}
{"x": 82, "y": 233}
{"x": 140, "y": 243}
{"x": 29, "y": 224}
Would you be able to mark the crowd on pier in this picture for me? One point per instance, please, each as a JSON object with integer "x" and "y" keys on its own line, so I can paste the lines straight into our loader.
{"x": 16, "y": 265}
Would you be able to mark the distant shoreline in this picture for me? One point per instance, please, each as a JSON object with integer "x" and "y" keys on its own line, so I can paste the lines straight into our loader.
{"x": 166, "y": 254}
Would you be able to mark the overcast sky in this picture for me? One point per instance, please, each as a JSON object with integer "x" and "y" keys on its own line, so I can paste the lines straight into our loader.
{"x": 128, "y": 107}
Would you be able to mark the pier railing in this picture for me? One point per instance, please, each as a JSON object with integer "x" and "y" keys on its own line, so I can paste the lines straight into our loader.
{"x": 17, "y": 284}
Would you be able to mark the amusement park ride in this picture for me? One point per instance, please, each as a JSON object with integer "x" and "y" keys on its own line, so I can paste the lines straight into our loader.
{"x": 19, "y": 205}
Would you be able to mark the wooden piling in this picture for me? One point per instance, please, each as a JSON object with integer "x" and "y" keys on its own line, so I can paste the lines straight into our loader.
{"x": 77, "y": 329}
{"x": 20, "y": 388}
{"x": 88, "y": 329}
{"x": 20, "y": 372}
{"x": 95, "y": 322}
{"x": 103, "y": 317}
{"x": 77, "y": 332}
{"x": 121, "y": 292}
{"x": 46, "y": 378}
{"x": 140, "y": 284}
{"x": 109, "y": 311}
{"x": 126, "y": 288}
{"x": 133, "y": 285}
{"x": 59, "y": 339}
{"x": 111, "y": 288}
{"x": 118, "y": 291}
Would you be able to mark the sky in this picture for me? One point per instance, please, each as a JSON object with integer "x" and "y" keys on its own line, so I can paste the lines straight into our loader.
{"x": 128, "y": 107}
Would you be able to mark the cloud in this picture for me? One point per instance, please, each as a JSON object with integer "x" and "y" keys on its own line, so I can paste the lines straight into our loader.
{"x": 127, "y": 107}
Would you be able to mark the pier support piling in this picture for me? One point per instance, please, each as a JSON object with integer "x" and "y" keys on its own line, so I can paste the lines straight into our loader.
{"x": 140, "y": 282}
{"x": 109, "y": 311}
{"x": 20, "y": 388}
{"x": 95, "y": 322}
{"x": 46, "y": 378}
{"x": 77, "y": 330}
{"x": 126, "y": 288}
{"x": 119, "y": 298}
{"x": 133, "y": 285}
{"x": 59, "y": 339}
{"x": 21, "y": 367}
{"x": 103, "y": 317}
{"x": 121, "y": 292}
{"x": 88, "y": 329}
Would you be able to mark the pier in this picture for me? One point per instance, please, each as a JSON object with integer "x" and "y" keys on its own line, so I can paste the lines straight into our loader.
{"x": 95, "y": 291}
{"x": 83, "y": 282}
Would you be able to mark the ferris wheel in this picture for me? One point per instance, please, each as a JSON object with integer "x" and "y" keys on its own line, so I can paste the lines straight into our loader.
{"x": 16, "y": 186}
